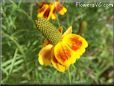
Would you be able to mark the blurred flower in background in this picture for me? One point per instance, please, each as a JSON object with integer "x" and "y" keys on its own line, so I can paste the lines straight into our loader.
{"x": 49, "y": 10}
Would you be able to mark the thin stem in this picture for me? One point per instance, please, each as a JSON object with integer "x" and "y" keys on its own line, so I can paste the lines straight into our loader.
{"x": 58, "y": 21}
{"x": 69, "y": 75}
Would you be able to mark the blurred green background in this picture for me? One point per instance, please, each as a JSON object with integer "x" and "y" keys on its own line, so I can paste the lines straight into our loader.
{"x": 21, "y": 42}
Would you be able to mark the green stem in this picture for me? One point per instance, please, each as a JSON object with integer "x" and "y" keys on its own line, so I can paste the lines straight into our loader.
{"x": 69, "y": 75}
{"x": 58, "y": 21}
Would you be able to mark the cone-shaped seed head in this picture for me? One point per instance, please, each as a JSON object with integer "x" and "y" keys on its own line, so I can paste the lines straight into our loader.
{"x": 48, "y": 30}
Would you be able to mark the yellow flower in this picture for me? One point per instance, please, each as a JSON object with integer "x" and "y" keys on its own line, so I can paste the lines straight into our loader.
{"x": 60, "y": 50}
{"x": 49, "y": 10}
{"x": 63, "y": 52}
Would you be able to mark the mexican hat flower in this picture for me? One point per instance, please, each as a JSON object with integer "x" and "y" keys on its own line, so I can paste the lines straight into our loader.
{"x": 49, "y": 10}
{"x": 61, "y": 50}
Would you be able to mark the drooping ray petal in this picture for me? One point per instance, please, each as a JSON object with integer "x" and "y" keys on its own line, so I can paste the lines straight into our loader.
{"x": 53, "y": 16}
{"x": 62, "y": 53}
{"x": 45, "y": 55}
{"x": 49, "y": 10}
{"x": 46, "y": 11}
{"x": 76, "y": 43}
{"x": 58, "y": 66}
{"x": 51, "y": 7}
{"x": 60, "y": 8}
{"x": 42, "y": 10}
{"x": 63, "y": 11}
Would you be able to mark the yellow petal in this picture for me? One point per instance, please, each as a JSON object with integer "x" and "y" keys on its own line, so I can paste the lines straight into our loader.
{"x": 46, "y": 11}
{"x": 60, "y": 8}
{"x": 63, "y": 53}
{"x": 53, "y": 16}
{"x": 45, "y": 55}
{"x": 68, "y": 31}
{"x": 63, "y": 11}
{"x": 49, "y": 10}
{"x": 51, "y": 6}
{"x": 42, "y": 10}
{"x": 76, "y": 43}
{"x": 58, "y": 66}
